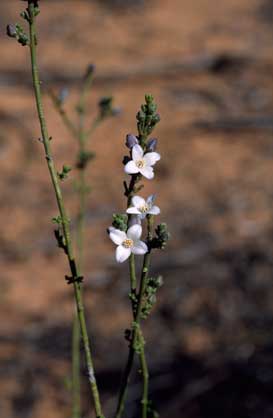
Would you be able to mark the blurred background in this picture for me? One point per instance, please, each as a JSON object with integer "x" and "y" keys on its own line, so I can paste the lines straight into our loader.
{"x": 210, "y": 339}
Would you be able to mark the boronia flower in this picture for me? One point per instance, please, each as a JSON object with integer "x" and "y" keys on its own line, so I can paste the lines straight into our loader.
{"x": 127, "y": 243}
{"x": 143, "y": 207}
{"x": 142, "y": 163}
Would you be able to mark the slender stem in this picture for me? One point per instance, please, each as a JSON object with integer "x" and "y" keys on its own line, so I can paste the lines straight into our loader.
{"x": 93, "y": 126}
{"x": 80, "y": 135}
{"x": 60, "y": 203}
{"x": 136, "y": 333}
{"x": 132, "y": 269}
{"x": 76, "y": 367}
{"x": 145, "y": 377}
{"x": 66, "y": 120}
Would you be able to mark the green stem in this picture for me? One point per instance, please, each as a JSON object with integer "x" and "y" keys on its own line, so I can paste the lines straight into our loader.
{"x": 132, "y": 269}
{"x": 145, "y": 378}
{"x": 60, "y": 203}
{"x": 81, "y": 137}
{"x": 76, "y": 367}
{"x": 136, "y": 331}
{"x": 66, "y": 120}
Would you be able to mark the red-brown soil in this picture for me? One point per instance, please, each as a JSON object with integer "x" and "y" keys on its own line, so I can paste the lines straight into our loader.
{"x": 209, "y": 341}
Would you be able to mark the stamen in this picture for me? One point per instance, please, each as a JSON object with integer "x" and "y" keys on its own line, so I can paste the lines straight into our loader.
{"x": 127, "y": 243}
{"x": 144, "y": 208}
{"x": 140, "y": 163}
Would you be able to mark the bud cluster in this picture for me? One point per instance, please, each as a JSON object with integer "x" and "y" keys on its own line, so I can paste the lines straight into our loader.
{"x": 106, "y": 107}
{"x": 147, "y": 117}
{"x": 17, "y": 32}
{"x": 152, "y": 286}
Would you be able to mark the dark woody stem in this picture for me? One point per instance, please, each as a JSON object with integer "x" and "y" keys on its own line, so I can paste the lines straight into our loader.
{"x": 63, "y": 215}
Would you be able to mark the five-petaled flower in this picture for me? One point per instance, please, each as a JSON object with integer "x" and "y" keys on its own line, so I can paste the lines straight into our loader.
{"x": 143, "y": 207}
{"x": 142, "y": 163}
{"x": 128, "y": 243}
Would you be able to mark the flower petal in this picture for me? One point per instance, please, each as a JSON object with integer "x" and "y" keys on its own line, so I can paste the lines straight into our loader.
{"x": 133, "y": 210}
{"x": 151, "y": 158}
{"x": 134, "y": 232}
{"x": 122, "y": 253}
{"x": 139, "y": 248}
{"x": 131, "y": 168}
{"x": 147, "y": 172}
{"x": 137, "y": 152}
{"x": 116, "y": 235}
{"x": 154, "y": 210}
{"x": 150, "y": 200}
{"x": 138, "y": 201}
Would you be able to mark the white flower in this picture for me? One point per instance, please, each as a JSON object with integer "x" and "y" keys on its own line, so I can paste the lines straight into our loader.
{"x": 142, "y": 163}
{"x": 127, "y": 242}
{"x": 143, "y": 207}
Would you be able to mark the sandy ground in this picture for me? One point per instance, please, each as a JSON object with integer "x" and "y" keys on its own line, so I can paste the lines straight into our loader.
{"x": 209, "y": 66}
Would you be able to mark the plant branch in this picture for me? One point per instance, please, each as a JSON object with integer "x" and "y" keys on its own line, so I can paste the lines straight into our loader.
{"x": 136, "y": 329}
{"x": 65, "y": 118}
{"x": 63, "y": 215}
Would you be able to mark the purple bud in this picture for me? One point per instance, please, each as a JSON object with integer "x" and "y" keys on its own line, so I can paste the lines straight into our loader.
{"x": 63, "y": 94}
{"x": 134, "y": 220}
{"x": 116, "y": 111}
{"x": 90, "y": 70}
{"x": 11, "y": 31}
{"x": 151, "y": 145}
{"x": 131, "y": 140}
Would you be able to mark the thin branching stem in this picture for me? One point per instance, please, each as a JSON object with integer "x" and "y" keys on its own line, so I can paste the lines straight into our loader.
{"x": 76, "y": 367}
{"x": 145, "y": 378}
{"x": 65, "y": 118}
{"x": 63, "y": 215}
{"x": 80, "y": 135}
{"x": 136, "y": 328}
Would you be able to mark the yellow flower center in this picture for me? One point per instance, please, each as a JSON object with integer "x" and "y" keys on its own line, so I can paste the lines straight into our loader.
{"x": 127, "y": 243}
{"x": 140, "y": 163}
{"x": 144, "y": 208}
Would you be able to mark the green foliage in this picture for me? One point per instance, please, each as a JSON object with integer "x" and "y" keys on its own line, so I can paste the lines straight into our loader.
{"x": 149, "y": 297}
{"x": 84, "y": 157}
{"x": 17, "y": 32}
{"x": 147, "y": 118}
{"x": 64, "y": 173}
{"x": 106, "y": 107}
{"x": 120, "y": 221}
{"x": 161, "y": 238}
{"x": 57, "y": 220}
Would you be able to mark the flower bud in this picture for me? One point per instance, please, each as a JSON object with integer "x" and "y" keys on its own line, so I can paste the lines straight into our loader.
{"x": 131, "y": 140}
{"x": 134, "y": 220}
{"x": 140, "y": 116}
{"x": 90, "y": 70}
{"x": 116, "y": 111}
{"x": 63, "y": 94}
{"x": 151, "y": 145}
{"x": 105, "y": 106}
{"x": 120, "y": 221}
{"x": 35, "y": 2}
{"x": 11, "y": 31}
{"x": 156, "y": 118}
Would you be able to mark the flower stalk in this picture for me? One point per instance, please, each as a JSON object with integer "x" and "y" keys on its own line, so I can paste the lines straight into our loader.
{"x": 82, "y": 134}
{"x": 140, "y": 165}
{"x": 30, "y": 15}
